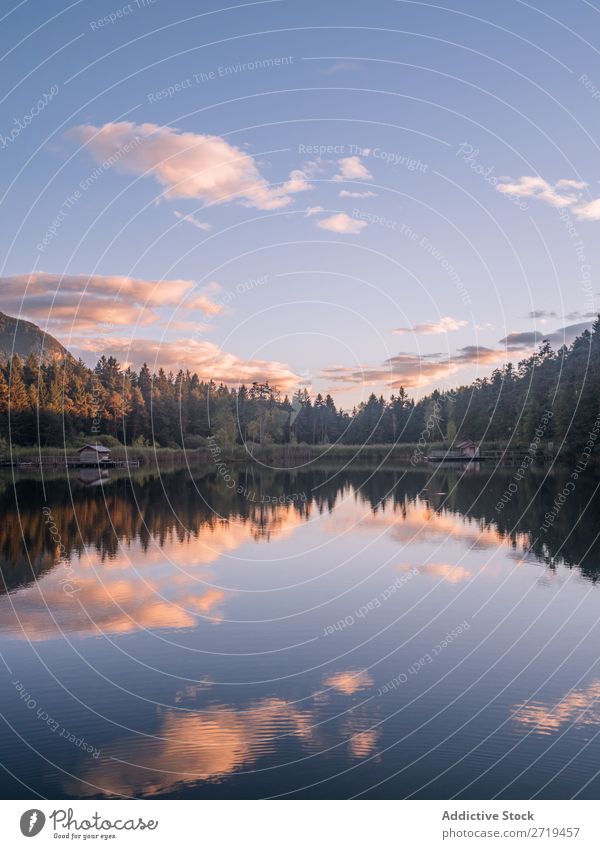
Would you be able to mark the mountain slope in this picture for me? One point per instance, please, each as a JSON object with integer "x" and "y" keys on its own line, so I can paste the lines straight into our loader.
{"x": 24, "y": 337}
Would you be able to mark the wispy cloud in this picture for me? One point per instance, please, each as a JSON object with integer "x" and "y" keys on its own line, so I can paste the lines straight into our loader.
{"x": 188, "y": 165}
{"x": 313, "y": 210}
{"x": 419, "y": 370}
{"x": 414, "y": 370}
{"x": 341, "y": 223}
{"x": 443, "y": 325}
{"x": 541, "y": 314}
{"x": 191, "y": 219}
{"x": 573, "y": 316}
{"x": 346, "y": 194}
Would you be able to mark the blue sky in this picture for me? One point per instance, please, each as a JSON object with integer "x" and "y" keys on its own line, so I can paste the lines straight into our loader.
{"x": 347, "y": 196}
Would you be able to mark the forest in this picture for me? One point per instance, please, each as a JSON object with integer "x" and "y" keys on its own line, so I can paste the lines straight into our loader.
{"x": 62, "y": 401}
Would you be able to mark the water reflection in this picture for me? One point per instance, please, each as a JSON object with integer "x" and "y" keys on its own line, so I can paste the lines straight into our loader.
{"x": 199, "y": 746}
{"x": 349, "y": 682}
{"x": 579, "y": 707}
{"x": 153, "y": 514}
{"x": 244, "y": 641}
{"x": 190, "y": 746}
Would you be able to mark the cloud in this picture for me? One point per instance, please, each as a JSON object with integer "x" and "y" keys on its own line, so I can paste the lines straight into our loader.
{"x": 517, "y": 340}
{"x": 346, "y": 194}
{"x": 82, "y": 301}
{"x": 200, "y": 225}
{"x": 351, "y": 168}
{"x": 541, "y": 314}
{"x": 188, "y": 165}
{"x": 297, "y": 183}
{"x": 414, "y": 370}
{"x": 207, "y": 359}
{"x": 567, "y": 335}
{"x": 588, "y": 211}
{"x": 313, "y": 210}
{"x": 562, "y": 336}
{"x": 571, "y": 316}
{"x": 341, "y": 223}
{"x": 562, "y": 194}
{"x": 443, "y": 325}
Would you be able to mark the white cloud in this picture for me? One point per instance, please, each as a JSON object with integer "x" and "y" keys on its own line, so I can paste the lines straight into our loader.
{"x": 188, "y": 165}
{"x": 562, "y": 195}
{"x": 191, "y": 219}
{"x": 341, "y": 223}
{"x": 346, "y": 194}
{"x": 588, "y": 211}
{"x": 443, "y": 325}
{"x": 297, "y": 183}
{"x": 313, "y": 210}
{"x": 351, "y": 168}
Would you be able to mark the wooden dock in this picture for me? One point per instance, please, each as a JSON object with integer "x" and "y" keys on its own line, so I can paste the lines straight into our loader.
{"x": 506, "y": 456}
{"x": 57, "y": 461}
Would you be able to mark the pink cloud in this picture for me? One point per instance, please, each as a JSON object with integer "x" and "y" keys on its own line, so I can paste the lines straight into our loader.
{"x": 342, "y": 223}
{"x": 188, "y": 165}
{"x": 414, "y": 370}
{"x": 205, "y": 358}
{"x": 443, "y": 325}
{"x": 352, "y": 168}
{"x": 81, "y": 302}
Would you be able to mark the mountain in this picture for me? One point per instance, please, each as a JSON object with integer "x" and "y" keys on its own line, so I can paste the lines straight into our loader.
{"x": 24, "y": 337}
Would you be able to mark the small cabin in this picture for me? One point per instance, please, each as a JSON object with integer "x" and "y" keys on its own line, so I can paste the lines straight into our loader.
{"x": 468, "y": 448}
{"x": 93, "y": 454}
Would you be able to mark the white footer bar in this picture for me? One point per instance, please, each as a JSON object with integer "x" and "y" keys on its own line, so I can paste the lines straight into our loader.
{"x": 302, "y": 824}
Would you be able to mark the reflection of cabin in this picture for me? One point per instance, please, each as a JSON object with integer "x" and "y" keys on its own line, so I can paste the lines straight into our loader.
{"x": 93, "y": 454}
{"x": 468, "y": 448}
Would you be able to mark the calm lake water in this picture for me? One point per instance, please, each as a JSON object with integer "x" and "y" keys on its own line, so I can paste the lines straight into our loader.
{"x": 307, "y": 634}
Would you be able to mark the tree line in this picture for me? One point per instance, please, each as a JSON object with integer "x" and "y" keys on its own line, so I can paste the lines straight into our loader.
{"x": 50, "y": 402}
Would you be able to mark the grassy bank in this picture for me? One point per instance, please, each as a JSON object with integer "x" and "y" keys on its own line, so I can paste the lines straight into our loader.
{"x": 271, "y": 455}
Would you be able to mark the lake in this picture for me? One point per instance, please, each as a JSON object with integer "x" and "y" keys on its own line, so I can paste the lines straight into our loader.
{"x": 423, "y": 633}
